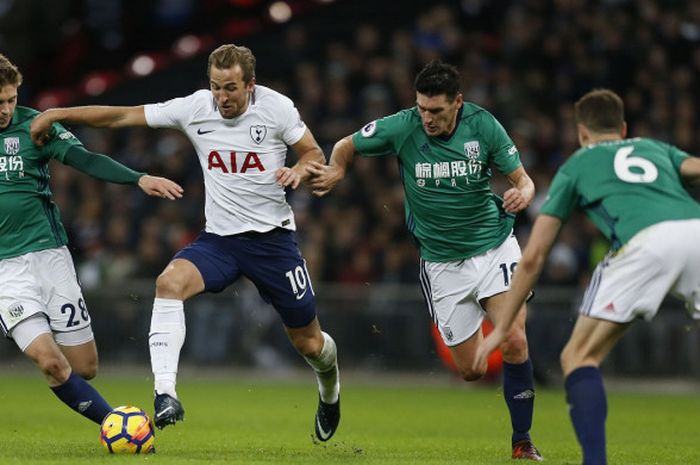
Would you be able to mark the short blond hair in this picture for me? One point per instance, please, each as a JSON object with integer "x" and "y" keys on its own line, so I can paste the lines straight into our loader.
{"x": 9, "y": 74}
{"x": 230, "y": 55}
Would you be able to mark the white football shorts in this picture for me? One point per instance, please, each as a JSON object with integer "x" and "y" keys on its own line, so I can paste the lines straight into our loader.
{"x": 658, "y": 260}
{"x": 43, "y": 283}
{"x": 454, "y": 289}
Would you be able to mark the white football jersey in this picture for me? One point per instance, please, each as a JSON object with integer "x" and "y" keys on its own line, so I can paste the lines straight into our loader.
{"x": 239, "y": 156}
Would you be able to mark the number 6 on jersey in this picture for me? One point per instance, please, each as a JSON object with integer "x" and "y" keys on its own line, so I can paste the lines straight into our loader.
{"x": 624, "y": 163}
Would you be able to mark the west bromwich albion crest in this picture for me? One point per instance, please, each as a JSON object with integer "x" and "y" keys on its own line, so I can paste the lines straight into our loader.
{"x": 258, "y": 132}
{"x": 11, "y": 145}
{"x": 471, "y": 149}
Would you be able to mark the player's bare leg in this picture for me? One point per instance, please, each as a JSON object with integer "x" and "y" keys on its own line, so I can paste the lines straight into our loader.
{"x": 82, "y": 359}
{"x": 319, "y": 350}
{"x": 179, "y": 281}
{"x": 44, "y": 352}
{"x": 463, "y": 356}
{"x": 589, "y": 344}
{"x": 69, "y": 387}
{"x": 518, "y": 380}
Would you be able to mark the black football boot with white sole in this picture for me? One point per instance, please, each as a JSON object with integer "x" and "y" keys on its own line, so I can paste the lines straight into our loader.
{"x": 168, "y": 410}
{"x": 327, "y": 419}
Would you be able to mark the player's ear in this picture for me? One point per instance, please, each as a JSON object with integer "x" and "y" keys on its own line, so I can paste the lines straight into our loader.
{"x": 623, "y": 130}
{"x": 583, "y": 135}
{"x": 251, "y": 85}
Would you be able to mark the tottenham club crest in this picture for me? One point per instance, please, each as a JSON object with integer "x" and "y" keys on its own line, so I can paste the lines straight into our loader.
{"x": 11, "y": 145}
{"x": 471, "y": 149}
{"x": 258, "y": 133}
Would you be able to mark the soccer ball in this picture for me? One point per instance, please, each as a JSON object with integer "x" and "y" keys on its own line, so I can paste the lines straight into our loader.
{"x": 127, "y": 430}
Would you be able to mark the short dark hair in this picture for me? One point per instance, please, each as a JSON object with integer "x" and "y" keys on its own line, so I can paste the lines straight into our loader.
{"x": 9, "y": 74}
{"x": 438, "y": 78}
{"x": 600, "y": 110}
{"x": 230, "y": 55}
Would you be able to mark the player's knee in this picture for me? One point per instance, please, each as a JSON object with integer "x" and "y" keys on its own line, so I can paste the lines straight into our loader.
{"x": 169, "y": 286}
{"x": 310, "y": 350}
{"x": 309, "y": 347}
{"x": 55, "y": 368}
{"x": 86, "y": 370}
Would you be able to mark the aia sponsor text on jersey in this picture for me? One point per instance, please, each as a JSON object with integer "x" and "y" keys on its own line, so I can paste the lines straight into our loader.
{"x": 233, "y": 162}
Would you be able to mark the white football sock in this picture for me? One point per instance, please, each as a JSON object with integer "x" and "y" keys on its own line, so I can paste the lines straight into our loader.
{"x": 326, "y": 368}
{"x": 165, "y": 340}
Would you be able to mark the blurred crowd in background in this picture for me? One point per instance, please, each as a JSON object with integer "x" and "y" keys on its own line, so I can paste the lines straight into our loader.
{"x": 525, "y": 61}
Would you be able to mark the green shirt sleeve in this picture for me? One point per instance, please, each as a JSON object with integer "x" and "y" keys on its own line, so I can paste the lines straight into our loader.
{"x": 677, "y": 156}
{"x": 100, "y": 166}
{"x": 60, "y": 141}
{"x": 379, "y": 138}
{"x": 562, "y": 197}
{"x": 503, "y": 152}
{"x": 63, "y": 146}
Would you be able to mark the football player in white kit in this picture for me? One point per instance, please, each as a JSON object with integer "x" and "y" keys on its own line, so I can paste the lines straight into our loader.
{"x": 240, "y": 131}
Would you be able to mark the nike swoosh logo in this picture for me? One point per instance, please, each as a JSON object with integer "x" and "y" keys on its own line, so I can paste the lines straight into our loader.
{"x": 301, "y": 296}
{"x": 201, "y": 133}
{"x": 163, "y": 412}
{"x": 322, "y": 433}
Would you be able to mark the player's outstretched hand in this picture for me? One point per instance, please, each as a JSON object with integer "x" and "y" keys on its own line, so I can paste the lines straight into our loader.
{"x": 40, "y": 128}
{"x": 160, "y": 187}
{"x": 489, "y": 344}
{"x": 323, "y": 177}
{"x": 514, "y": 200}
{"x": 288, "y": 177}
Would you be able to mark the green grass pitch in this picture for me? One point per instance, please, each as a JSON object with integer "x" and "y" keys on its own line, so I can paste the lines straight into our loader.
{"x": 248, "y": 421}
